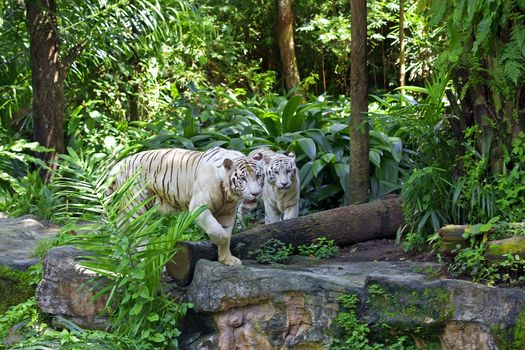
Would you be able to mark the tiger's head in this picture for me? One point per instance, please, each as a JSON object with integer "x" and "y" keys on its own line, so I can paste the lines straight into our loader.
{"x": 246, "y": 179}
{"x": 281, "y": 170}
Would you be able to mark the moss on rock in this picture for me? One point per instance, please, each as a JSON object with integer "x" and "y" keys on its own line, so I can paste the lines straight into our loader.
{"x": 14, "y": 288}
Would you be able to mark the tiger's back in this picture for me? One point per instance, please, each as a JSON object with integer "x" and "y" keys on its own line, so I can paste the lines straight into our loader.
{"x": 166, "y": 173}
{"x": 182, "y": 179}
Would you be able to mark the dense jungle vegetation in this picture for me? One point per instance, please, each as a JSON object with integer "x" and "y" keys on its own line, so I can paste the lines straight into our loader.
{"x": 85, "y": 83}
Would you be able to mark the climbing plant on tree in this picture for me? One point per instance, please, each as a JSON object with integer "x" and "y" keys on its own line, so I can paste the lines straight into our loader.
{"x": 485, "y": 56}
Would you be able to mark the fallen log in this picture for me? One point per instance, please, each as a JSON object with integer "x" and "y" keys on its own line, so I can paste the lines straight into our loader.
{"x": 496, "y": 249}
{"x": 452, "y": 235}
{"x": 346, "y": 225}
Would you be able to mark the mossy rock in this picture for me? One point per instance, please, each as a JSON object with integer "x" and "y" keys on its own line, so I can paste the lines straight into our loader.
{"x": 14, "y": 288}
{"x": 497, "y": 249}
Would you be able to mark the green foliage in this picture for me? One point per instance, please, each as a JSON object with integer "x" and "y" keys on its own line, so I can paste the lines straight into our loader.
{"x": 474, "y": 32}
{"x": 25, "y": 311}
{"x": 32, "y": 196}
{"x": 472, "y": 263}
{"x": 22, "y": 191}
{"x": 321, "y": 248}
{"x": 356, "y": 333}
{"x": 426, "y": 203}
{"x": 128, "y": 249}
{"x": 414, "y": 241}
{"x": 15, "y": 287}
{"x": 510, "y": 187}
{"x": 272, "y": 251}
{"x": 25, "y": 323}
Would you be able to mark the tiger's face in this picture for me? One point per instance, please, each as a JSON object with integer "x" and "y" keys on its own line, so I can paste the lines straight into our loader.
{"x": 281, "y": 170}
{"x": 246, "y": 180}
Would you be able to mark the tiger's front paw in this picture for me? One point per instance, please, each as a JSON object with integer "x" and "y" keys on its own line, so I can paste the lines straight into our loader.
{"x": 230, "y": 261}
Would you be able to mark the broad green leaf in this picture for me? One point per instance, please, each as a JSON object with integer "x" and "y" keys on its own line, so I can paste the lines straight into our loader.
{"x": 317, "y": 166}
{"x": 375, "y": 157}
{"x": 289, "y": 112}
{"x": 157, "y": 338}
{"x": 308, "y": 147}
{"x": 413, "y": 88}
{"x": 153, "y": 317}
{"x": 305, "y": 174}
{"x": 136, "y": 309}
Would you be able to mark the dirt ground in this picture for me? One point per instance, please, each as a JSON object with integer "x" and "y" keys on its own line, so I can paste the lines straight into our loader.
{"x": 381, "y": 250}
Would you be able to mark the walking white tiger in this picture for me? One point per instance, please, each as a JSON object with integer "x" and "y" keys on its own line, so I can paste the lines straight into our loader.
{"x": 281, "y": 185}
{"x": 184, "y": 180}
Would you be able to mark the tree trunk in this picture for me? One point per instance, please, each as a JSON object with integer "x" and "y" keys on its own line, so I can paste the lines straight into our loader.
{"x": 401, "y": 44}
{"x": 48, "y": 74}
{"x": 346, "y": 225}
{"x": 285, "y": 37}
{"x": 359, "y": 137}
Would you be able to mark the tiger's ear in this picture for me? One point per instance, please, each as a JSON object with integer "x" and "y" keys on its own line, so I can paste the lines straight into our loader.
{"x": 267, "y": 159}
{"x": 227, "y": 164}
{"x": 291, "y": 155}
{"x": 257, "y": 156}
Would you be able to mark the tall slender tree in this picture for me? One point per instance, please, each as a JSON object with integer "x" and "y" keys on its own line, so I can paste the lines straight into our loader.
{"x": 48, "y": 74}
{"x": 402, "y": 67}
{"x": 285, "y": 37}
{"x": 359, "y": 137}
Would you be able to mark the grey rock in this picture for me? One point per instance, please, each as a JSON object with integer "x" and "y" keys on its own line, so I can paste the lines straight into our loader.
{"x": 294, "y": 306}
{"x": 467, "y": 336}
{"x": 18, "y": 238}
{"x": 64, "y": 291}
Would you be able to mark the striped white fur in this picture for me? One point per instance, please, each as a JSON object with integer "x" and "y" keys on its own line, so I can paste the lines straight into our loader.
{"x": 281, "y": 185}
{"x": 184, "y": 180}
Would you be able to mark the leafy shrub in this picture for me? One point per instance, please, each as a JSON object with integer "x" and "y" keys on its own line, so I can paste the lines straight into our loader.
{"x": 22, "y": 191}
{"x": 321, "y": 248}
{"x": 510, "y": 187}
{"x": 31, "y": 196}
{"x": 21, "y": 312}
{"x": 31, "y": 326}
{"x": 426, "y": 203}
{"x": 356, "y": 333}
{"x": 471, "y": 262}
{"x": 272, "y": 251}
{"x": 414, "y": 242}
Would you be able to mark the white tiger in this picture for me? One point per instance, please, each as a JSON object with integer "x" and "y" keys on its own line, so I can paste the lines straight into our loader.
{"x": 281, "y": 188}
{"x": 184, "y": 180}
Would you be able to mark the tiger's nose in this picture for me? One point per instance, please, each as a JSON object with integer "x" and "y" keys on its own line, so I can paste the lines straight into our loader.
{"x": 256, "y": 193}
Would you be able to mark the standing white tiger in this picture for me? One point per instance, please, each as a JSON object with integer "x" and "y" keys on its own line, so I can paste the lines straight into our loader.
{"x": 281, "y": 184}
{"x": 184, "y": 180}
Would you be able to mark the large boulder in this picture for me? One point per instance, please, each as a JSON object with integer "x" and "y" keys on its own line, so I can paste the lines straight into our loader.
{"x": 18, "y": 238}
{"x": 293, "y": 307}
{"x": 65, "y": 290}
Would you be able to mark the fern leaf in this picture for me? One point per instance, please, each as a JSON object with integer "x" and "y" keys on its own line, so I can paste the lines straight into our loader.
{"x": 514, "y": 70}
